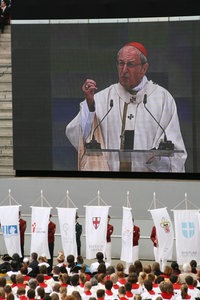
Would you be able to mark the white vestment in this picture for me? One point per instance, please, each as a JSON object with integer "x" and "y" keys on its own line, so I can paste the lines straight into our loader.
{"x": 147, "y": 133}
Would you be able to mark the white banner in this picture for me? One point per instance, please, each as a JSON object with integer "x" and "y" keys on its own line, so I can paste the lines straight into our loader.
{"x": 66, "y": 217}
{"x": 96, "y": 219}
{"x": 127, "y": 236}
{"x": 164, "y": 231}
{"x": 9, "y": 220}
{"x": 39, "y": 230}
{"x": 187, "y": 235}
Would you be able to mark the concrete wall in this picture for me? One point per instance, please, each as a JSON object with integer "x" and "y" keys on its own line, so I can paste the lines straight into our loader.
{"x": 113, "y": 192}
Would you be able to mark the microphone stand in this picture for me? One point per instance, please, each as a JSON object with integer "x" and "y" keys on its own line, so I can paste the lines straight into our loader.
{"x": 93, "y": 144}
{"x": 164, "y": 144}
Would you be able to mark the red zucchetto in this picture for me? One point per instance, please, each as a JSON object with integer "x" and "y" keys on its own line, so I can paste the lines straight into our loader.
{"x": 138, "y": 46}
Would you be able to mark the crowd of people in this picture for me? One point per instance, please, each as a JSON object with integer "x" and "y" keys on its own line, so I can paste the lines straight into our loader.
{"x": 72, "y": 279}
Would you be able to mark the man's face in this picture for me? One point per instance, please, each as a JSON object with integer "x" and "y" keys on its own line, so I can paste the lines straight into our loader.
{"x": 130, "y": 69}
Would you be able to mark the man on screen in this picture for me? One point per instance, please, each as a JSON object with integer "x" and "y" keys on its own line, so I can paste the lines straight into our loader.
{"x": 133, "y": 114}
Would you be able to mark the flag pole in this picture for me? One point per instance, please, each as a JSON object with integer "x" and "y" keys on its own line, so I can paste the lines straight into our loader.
{"x": 9, "y": 196}
{"x": 67, "y": 198}
{"x": 98, "y": 198}
{"x": 127, "y": 199}
{"x": 41, "y": 197}
{"x": 186, "y": 201}
{"x": 154, "y": 200}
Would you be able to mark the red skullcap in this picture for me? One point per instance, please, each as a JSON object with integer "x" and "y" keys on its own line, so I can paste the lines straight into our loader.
{"x": 138, "y": 46}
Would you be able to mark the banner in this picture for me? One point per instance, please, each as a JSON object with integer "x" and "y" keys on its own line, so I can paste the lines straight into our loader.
{"x": 127, "y": 236}
{"x": 9, "y": 220}
{"x": 39, "y": 231}
{"x": 96, "y": 219}
{"x": 187, "y": 235}
{"x": 164, "y": 231}
{"x": 66, "y": 218}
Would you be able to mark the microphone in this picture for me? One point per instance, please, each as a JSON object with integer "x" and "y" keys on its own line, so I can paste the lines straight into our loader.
{"x": 93, "y": 144}
{"x": 164, "y": 144}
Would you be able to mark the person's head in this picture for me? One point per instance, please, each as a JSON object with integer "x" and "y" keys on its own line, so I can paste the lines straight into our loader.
{"x": 2, "y": 282}
{"x": 70, "y": 259}
{"x": 128, "y": 286}
{"x": 87, "y": 286}
{"x": 10, "y": 296}
{"x": 173, "y": 278}
{"x": 41, "y": 292}
{"x": 151, "y": 276}
{"x": 133, "y": 277}
{"x": 7, "y": 289}
{"x": 56, "y": 287}
{"x": 184, "y": 290}
{"x": 32, "y": 283}
{"x": 167, "y": 270}
{"x": 74, "y": 280}
{"x": 63, "y": 292}
{"x": 63, "y": 277}
{"x": 156, "y": 267}
{"x": 99, "y": 256}
{"x": 110, "y": 270}
{"x": 31, "y": 293}
{"x": 16, "y": 257}
{"x": 21, "y": 291}
{"x": 170, "y": 287}
{"x": 80, "y": 259}
{"x": 120, "y": 267}
{"x": 147, "y": 268}
{"x": 175, "y": 267}
{"x": 19, "y": 278}
{"x": 40, "y": 278}
{"x": 131, "y": 64}
{"x": 189, "y": 280}
{"x": 193, "y": 264}
{"x": 138, "y": 265}
{"x": 34, "y": 256}
{"x": 43, "y": 269}
{"x": 163, "y": 286}
{"x": 139, "y": 297}
{"x": 12, "y": 278}
{"x": 77, "y": 295}
{"x": 56, "y": 270}
{"x": 2, "y": 293}
{"x": 131, "y": 269}
{"x": 108, "y": 285}
{"x": 24, "y": 270}
{"x": 187, "y": 268}
{"x": 142, "y": 276}
{"x": 100, "y": 293}
{"x": 3, "y": 3}
{"x": 121, "y": 291}
{"x": 54, "y": 296}
{"x": 159, "y": 279}
{"x": 101, "y": 278}
{"x": 114, "y": 278}
{"x": 61, "y": 257}
{"x": 101, "y": 268}
{"x": 148, "y": 284}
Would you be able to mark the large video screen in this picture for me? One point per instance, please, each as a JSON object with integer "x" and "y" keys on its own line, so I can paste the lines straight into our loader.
{"x": 148, "y": 128}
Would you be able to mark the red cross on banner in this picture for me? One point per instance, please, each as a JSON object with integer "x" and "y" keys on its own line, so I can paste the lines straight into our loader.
{"x": 96, "y": 221}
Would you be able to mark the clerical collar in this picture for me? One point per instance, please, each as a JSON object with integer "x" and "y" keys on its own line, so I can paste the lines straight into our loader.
{"x": 140, "y": 85}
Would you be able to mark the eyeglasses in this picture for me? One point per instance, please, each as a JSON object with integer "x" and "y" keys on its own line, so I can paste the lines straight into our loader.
{"x": 129, "y": 64}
